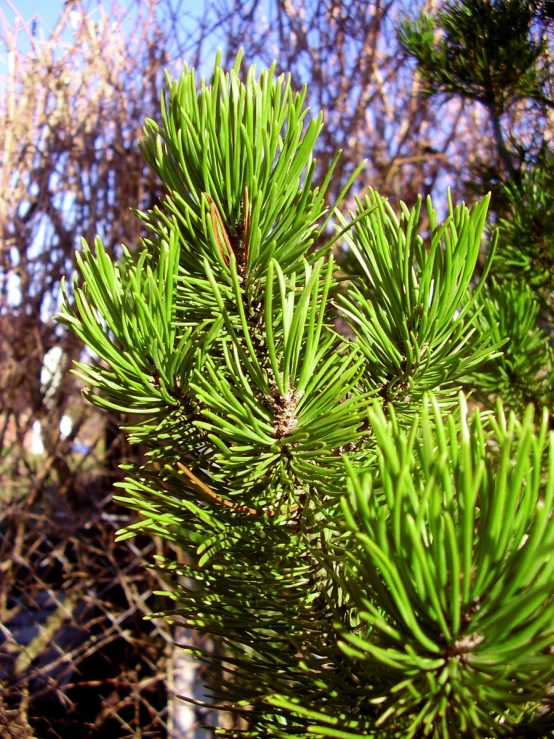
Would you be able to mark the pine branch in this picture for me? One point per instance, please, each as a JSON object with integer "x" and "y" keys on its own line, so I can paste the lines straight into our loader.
{"x": 370, "y": 568}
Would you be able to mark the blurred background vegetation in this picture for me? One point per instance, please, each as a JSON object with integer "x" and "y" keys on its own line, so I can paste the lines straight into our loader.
{"x": 76, "y": 657}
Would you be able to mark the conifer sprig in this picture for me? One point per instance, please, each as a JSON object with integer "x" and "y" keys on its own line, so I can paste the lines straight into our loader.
{"x": 443, "y": 557}
{"x": 523, "y": 372}
{"x": 369, "y": 569}
{"x": 411, "y": 305}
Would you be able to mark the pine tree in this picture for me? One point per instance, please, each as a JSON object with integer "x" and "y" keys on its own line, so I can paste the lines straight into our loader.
{"x": 498, "y": 54}
{"x": 374, "y": 559}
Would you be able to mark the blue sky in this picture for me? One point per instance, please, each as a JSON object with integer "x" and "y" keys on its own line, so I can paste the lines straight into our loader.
{"x": 47, "y": 10}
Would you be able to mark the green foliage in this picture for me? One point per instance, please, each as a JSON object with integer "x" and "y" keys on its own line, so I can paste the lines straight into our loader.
{"x": 442, "y": 556}
{"x": 238, "y": 166}
{"x": 523, "y": 372}
{"x": 498, "y": 53}
{"x": 370, "y": 569}
{"x": 484, "y": 50}
{"x": 407, "y": 307}
{"x": 527, "y": 232}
